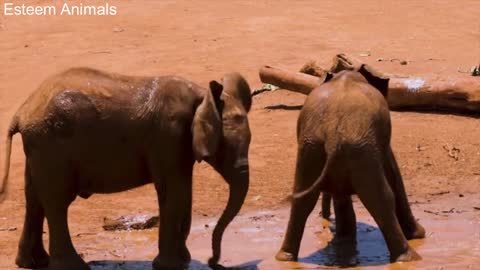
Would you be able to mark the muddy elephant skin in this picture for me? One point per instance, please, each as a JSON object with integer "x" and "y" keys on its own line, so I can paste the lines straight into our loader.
{"x": 343, "y": 134}
{"x": 86, "y": 131}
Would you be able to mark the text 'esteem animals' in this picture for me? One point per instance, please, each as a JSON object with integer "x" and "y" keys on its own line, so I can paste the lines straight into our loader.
{"x": 61, "y": 9}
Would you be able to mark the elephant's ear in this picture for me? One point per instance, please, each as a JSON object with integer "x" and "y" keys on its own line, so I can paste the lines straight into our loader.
{"x": 328, "y": 76}
{"x": 375, "y": 78}
{"x": 207, "y": 124}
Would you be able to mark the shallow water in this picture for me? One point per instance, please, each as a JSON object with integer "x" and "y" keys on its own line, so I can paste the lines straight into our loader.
{"x": 452, "y": 242}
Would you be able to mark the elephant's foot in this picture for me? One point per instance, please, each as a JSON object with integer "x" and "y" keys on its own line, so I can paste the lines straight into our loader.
{"x": 326, "y": 214}
{"x": 407, "y": 256}
{"x": 71, "y": 262}
{"x": 284, "y": 256}
{"x": 417, "y": 232}
{"x": 213, "y": 262}
{"x": 32, "y": 259}
{"x": 172, "y": 262}
{"x": 346, "y": 240}
{"x": 169, "y": 264}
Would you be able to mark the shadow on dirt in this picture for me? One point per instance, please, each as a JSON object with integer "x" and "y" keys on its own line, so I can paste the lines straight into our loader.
{"x": 437, "y": 111}
{"x": 369, "y": 250}
{"x": 147, "y": 265}
{"x": 284, "y": 107}
{"x": 440, "y": 111}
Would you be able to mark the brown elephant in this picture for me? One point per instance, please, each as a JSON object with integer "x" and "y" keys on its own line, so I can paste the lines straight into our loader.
{"x": 343, "y": 135}
{"x": 86, "y": 131}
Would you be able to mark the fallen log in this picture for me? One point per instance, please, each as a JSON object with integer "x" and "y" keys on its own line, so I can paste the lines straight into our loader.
{"x": 294, "y": 81}
{"x": 459, "y": 95}
{"x": 450, "y": 94}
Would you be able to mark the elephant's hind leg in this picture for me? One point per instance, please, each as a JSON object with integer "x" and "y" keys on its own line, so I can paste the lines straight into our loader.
{"x": 56, "y": 191}
{"x": 410, "y": 227}
{"x": 63, "y": 254}
{"x": 375, "y": 193}
{"x": 309, "y": 166}
{"x": 31, "y": 253}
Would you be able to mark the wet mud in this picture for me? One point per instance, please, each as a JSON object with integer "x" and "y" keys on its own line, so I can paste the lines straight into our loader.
{"x": 452, "y": 242}
{"x": 438, "y": 154}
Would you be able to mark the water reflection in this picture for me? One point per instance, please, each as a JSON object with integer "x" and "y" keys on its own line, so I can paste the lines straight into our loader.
{"x": 147, "y": 265}
{"x": 369, "y": 250}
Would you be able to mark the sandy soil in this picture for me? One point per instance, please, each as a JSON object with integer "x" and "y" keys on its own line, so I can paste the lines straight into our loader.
{"x": 201, "y": 42}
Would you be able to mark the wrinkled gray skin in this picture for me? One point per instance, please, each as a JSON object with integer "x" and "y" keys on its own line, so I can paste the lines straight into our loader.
{"x": 344, "y": 148}
{"x": 85, "y": 131}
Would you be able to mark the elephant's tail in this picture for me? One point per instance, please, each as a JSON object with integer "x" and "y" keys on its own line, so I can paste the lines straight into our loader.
{"x": 13, "y": 129}
{"x": 320, "y": 180}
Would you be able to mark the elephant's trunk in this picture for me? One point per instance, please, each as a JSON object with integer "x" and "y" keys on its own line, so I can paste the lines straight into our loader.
{"x": 238, "y": 192}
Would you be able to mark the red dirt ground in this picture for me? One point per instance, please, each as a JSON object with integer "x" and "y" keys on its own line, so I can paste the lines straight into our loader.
{"x": 201, "y": 41}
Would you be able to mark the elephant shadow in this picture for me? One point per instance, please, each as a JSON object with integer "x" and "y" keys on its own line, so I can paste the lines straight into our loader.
{"x": 370, "y": 249}
{"x": 436, "y": 111}
{"x": 147, "y": 265}
{"x": 284, "y": 107}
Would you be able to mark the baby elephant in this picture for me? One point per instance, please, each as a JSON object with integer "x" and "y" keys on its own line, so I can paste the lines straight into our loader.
{"x": 86, "y": 131}
{"x": 344, "y": 148}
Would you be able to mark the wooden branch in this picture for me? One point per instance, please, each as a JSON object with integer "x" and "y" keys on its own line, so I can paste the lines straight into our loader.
{"x": 311, "y": 68}
{"x": 460, "y": 94}
{"x": 293, "y": 81}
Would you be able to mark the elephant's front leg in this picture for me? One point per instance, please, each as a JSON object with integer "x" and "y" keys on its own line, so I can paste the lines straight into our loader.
{"x": 309, "y": 166}
{"x": 345, "y": 220}
{"x": 175, "y": 202}
{"x": 326, "y": 201}
{"x": 344, "y": 243}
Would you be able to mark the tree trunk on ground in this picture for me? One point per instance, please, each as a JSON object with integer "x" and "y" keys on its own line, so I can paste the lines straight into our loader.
{"x": 458, "y": 95}
{"x": 293, "y": 81}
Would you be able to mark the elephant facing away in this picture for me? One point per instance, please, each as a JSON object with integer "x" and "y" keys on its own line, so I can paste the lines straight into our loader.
{"x": 86, "y": 131}
{"x": 343, "y": 135}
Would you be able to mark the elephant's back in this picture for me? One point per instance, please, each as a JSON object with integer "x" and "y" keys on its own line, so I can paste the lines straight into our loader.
{"x": 346, "y": 111}
{"x": 81, "y": 90}
{"x": 85, "y": 96}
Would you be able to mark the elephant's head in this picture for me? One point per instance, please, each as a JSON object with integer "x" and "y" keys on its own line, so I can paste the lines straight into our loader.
{"x": 221, "y": 137}
{"x": 373, "y": 77}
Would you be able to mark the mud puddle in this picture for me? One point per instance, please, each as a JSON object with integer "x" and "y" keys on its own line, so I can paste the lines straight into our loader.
{"x": 452, "y": 242}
